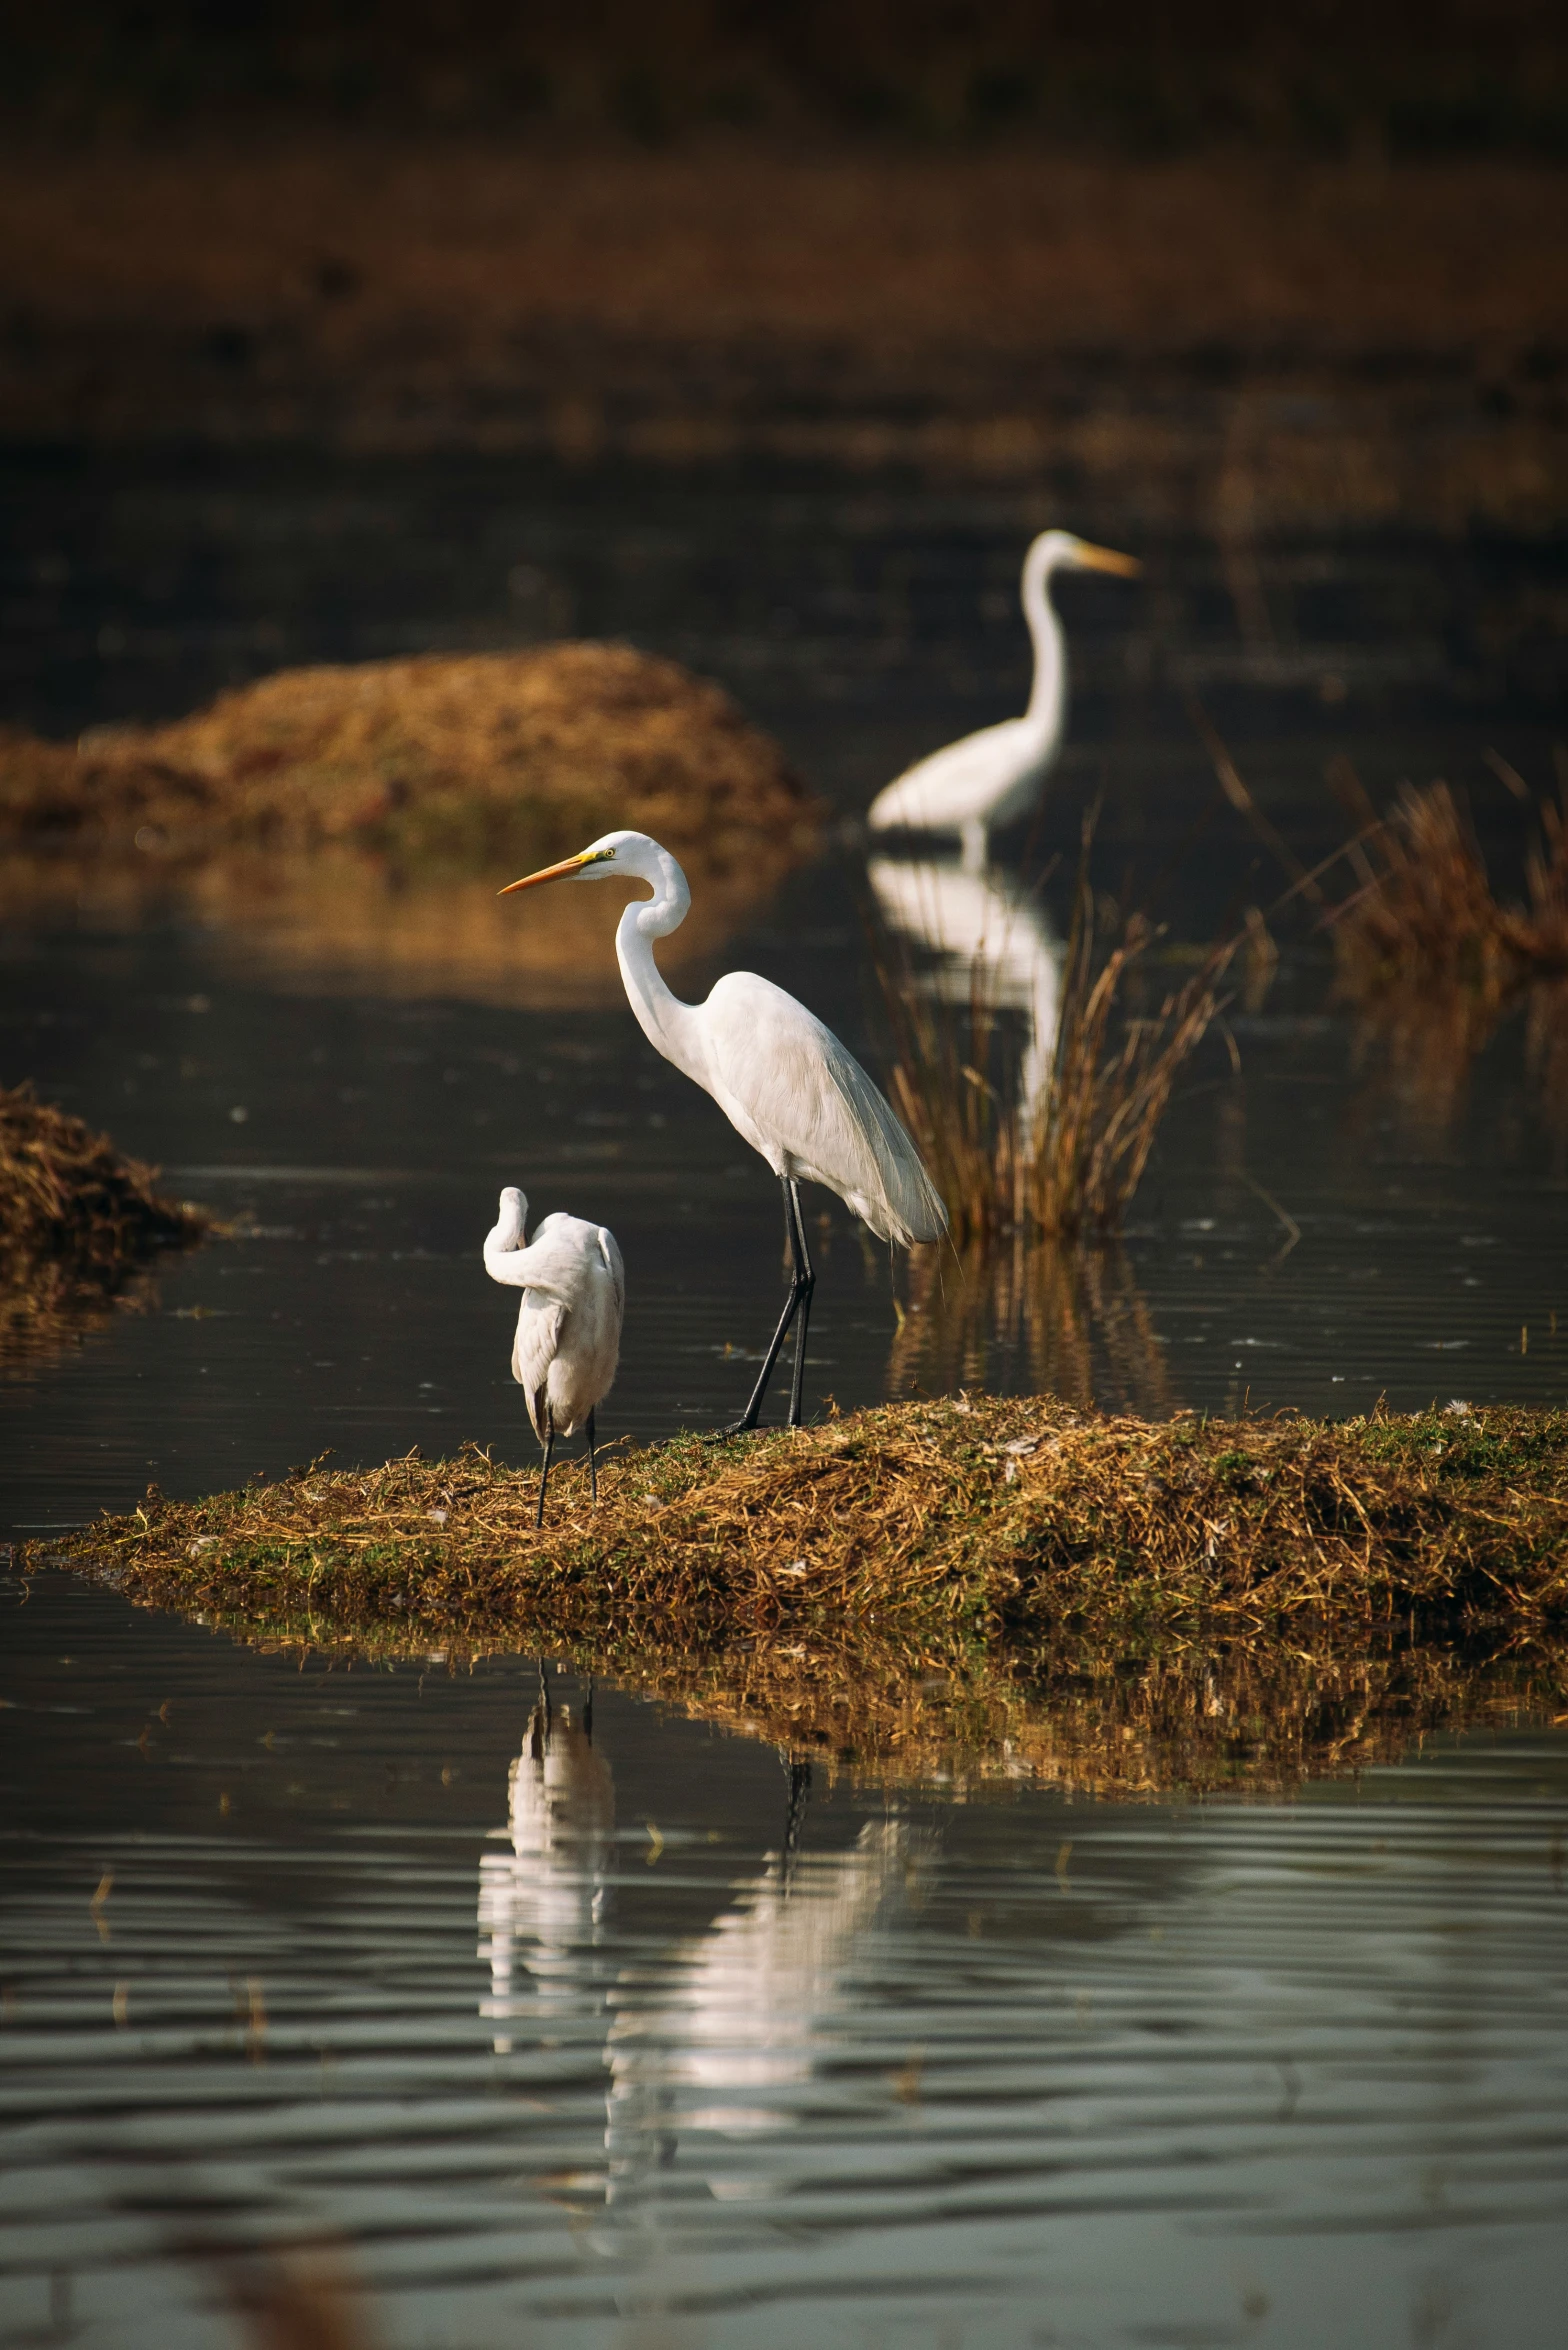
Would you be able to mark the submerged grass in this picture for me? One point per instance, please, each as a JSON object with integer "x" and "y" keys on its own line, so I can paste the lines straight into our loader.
{"x": 977, "y": 1520}
{"x": 78, "y": 1223}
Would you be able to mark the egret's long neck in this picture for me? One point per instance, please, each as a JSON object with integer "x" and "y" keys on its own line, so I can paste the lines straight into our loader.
{"x": 1050, "y": 658}
{"x": 670, "y": 1026}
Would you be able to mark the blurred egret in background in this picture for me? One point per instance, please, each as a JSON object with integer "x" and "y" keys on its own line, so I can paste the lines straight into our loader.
{"x": 992, "y": 777}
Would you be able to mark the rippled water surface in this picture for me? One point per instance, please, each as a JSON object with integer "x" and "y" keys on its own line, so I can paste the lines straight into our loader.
{"x": 604, "y": 2027}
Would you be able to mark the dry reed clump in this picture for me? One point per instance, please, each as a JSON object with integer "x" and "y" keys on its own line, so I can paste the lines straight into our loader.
{"x": 77, "y": 1223}
{"x": 980, "y": 1517}
{"x": 1069, "y": 1159}
{"x": 1424, "y": 912}
{"x": 454, "y": 762}
{"x": 1429, "y": 956}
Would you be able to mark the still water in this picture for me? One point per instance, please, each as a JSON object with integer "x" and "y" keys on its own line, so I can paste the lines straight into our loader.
{"x": 624, "y": 2029}
{"x": 604, "y": 2027}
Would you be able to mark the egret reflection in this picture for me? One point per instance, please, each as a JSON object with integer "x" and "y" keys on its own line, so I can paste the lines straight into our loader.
{"x": 990, "y": 944}
{"x": 722, "y": 2031}
{"x": 542, "y": 1905}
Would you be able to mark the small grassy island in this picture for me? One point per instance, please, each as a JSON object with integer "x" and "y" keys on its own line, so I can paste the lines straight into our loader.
{"x": 985, "y": 1516}
{"x": 965, "y": 1592}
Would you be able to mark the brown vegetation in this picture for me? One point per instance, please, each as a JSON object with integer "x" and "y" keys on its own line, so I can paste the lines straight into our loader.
{"x": 1431, "y": 958}
{"x": 1069, "y": 1159}
{"x": 456, "y": 763}
{"x": 1012, "y": 314}
{"x": 77, "y": 1224}
{"x": 978, "y": 1518}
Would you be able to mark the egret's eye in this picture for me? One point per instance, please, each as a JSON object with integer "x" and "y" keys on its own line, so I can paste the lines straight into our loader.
{"x": 597, "y": 856}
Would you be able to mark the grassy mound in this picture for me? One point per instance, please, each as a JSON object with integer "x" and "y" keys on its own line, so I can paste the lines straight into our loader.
{"x": 77, "y": 1222}
{"x": 977, "y": 1520}
{"x": 460, "y": 762}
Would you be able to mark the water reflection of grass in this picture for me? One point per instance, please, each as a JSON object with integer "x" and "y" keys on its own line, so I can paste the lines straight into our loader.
{"x": 969, "y": 1521}
{"x": 1070, "y": 1320}
{"x": 79, "y": 1223}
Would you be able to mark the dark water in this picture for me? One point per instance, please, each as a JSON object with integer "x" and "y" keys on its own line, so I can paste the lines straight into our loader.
{"x": 628, "y": 2039}
{"x": 678, "y": 2049}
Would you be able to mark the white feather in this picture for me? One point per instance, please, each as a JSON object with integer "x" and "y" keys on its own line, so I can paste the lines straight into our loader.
{"x": 568, "y": 1339}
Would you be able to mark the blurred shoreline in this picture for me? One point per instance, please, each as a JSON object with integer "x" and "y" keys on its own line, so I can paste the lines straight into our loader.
{"x": 1244, "y": 340}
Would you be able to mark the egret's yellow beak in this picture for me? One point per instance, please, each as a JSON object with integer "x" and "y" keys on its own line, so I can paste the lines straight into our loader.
{"x": 1103, "y": 559}
{"x": 562, "y": 872}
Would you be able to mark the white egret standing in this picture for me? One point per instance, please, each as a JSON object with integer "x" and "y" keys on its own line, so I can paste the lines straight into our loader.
{"x": 569, "y": 1324}
{"x": 994, "y": 776}
{"x": 784, "y": 1082}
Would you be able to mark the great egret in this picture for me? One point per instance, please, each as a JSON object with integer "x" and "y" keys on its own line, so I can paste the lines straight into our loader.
{"x": 568, "y": 1325}
{"x": 990, "y": 777}
{"x": 784, "y": 1082}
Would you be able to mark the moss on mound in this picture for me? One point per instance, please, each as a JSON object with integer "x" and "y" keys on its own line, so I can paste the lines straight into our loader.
{"x": 463, "y": 761}
{"x": 78, "y": 1221}
{"x": 978, "y": 1519}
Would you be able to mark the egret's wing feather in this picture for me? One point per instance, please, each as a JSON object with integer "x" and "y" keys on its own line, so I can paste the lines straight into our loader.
{"x": 609, "y": 1251}
{"x": 809, "y": 1098}
{"x": 540, "y": 1323}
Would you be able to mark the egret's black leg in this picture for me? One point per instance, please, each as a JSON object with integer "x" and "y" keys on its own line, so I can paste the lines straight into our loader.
{"x": 748, "y": 1418}
{"x": 805, "y": 1283}
{"x": 544, "y": 1474}
{"x": 588, "y": 1711}
{"x": 593, "y": 1466}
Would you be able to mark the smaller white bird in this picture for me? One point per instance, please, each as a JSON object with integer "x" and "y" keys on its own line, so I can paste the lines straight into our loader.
{"x": 568, "y": 1338}
{"x": 994, "y": 776}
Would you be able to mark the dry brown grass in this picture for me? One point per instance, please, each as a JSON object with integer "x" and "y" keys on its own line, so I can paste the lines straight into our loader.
{"x": 78, "y": 1223}
{"x": 1069, "y": 1162}
{"x": 458, "y": 763}
{"x": 1432, "y": 959}
{"x": 975, "y": 1519}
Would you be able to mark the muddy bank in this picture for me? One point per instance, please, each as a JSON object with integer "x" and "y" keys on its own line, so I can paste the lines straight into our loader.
{"x": 79, "y": 1226}
{"x": 977, "y": 1517}
{"x": 1264, "y": 339}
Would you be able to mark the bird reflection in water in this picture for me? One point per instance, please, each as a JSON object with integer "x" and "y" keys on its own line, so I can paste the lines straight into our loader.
{"x": 721, "y": 2033}
{"x": 1016, "y": 1309}
{"x": 542, "y": 1905}
{"x": 726, "y": 2037}
{"x": 985, "y": 941}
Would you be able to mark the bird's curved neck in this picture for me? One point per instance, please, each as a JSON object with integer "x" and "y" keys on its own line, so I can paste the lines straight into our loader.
{"x": 670, "y": 1026}
{"x": 1050, "y": 663}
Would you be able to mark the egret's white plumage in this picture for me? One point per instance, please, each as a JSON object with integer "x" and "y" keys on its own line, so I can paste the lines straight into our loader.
{"x": 993, "y": 777}
{"x": 568, "y": 1338}
{"x": 784, "y": 1081}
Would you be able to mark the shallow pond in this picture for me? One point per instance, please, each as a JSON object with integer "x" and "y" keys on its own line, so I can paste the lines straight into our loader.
{"x": 617, "y": 2030}
{"x": 681, "y": 2047}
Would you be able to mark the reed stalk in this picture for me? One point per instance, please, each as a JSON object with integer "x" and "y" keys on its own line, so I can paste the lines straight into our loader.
{"x": 1066, "y": 1163}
